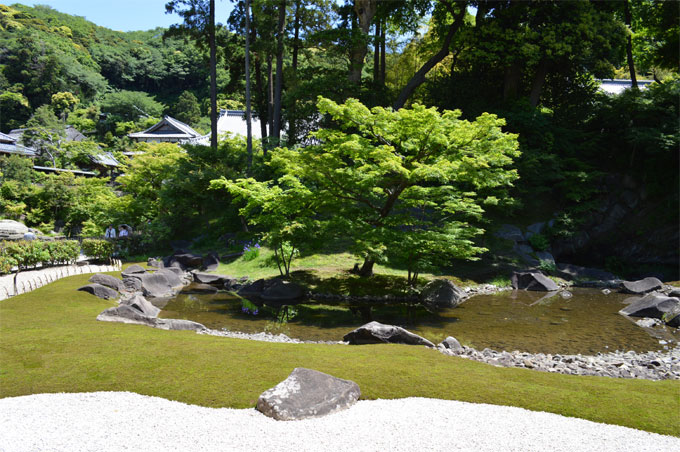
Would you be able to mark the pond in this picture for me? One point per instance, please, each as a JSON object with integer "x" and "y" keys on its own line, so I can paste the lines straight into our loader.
{"x": 586, "y": 323}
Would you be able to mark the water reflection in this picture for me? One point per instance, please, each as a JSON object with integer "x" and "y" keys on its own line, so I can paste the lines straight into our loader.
{"x": 586, "y": 323}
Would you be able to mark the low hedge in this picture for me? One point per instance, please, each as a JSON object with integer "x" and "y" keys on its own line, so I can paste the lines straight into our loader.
{"x": 26, "y": 254}
{"x": 98, "y": 248}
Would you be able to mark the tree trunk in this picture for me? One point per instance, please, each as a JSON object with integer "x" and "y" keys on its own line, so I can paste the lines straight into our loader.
{"x": 365, "y": 10}
{"x": 419, "y": 76}
{"x": 629, "y": 47}
{"x": 376, "y": 54}
{"x": 270, "y": 98}
{"x": 513, "y": 75}
{"x": 292, "y": 121}
{"x": 276, "y": 131}
{"x": 249, "y": 119}
{"x": 367, "y": 268}
{"x": 382, "y": 52}
{"x": 213, "y": 78}
{"x": 539, "y": 81}
{"x": 262, "y": 96}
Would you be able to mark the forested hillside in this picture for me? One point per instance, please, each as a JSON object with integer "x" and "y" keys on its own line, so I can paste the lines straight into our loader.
{"x": 602, "y": 167}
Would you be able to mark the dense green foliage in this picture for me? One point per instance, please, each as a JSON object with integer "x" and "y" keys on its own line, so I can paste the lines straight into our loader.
{"x": 98, "y": 248}
{"x": 28, "y": 254}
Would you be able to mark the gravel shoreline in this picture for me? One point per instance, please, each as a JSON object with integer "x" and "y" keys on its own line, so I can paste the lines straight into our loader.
{"x": 123, "y": 421}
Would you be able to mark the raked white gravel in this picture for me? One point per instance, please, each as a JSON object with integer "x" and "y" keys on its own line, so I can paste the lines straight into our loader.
{"x": 123, "y": 421}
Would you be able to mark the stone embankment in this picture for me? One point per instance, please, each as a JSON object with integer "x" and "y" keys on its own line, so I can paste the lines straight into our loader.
{"x": 660, "y": 365}
{"x": 32, "y": 279}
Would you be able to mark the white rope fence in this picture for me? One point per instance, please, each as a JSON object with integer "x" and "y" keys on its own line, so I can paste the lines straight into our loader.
{"x": 32, "y": 279}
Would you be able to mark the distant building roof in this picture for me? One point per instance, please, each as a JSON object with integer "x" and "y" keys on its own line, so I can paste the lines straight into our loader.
{"x": 8, "y": 145}
{"x": 105, "y": 159}
{"x": 617, "y": 86}
{"x": 168, "y": 129}
{"x": 47, "y": 169}
{"x": 73, "y": 134}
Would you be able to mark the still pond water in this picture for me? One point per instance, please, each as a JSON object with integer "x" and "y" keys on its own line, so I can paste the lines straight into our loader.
{"x": 586, "y": 323}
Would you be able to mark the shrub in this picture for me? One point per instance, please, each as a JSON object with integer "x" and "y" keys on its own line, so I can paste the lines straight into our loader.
{"x": 6, "y": 264}
{"x": 63, "y": 251}
{"x": 98, "y": 248}
{"x": 539, "y": 242}
{"x": 250, "y": 251}
{"x": 547, "y": 266}
{"x": 26, "y": 254}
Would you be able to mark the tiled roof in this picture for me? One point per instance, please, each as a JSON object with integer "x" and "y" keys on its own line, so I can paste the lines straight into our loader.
{"x": 105, "y": 159}
{"x": 234, "y": 122}
{"x": 17, "y": 149}
{"x": 4, "y": 138}
{"x": 185, "y": 131}
{"x": 49, "y": 169}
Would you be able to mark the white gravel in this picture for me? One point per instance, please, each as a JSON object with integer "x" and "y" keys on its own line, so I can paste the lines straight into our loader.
{"x": 123, "y": 421}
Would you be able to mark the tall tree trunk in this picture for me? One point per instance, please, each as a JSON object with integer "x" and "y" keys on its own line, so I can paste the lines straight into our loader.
{"x": 376, "y": 54}
{"x": 270, "y": 99}
{"x": 382, "y": 51}
{"x": 213, "y": 78}
{"x": 276, "y": 131}
{"x": 365, "y": 10}
{"x": 629, "y": 47}
{"x": 262, "y": 96}
{"x": 292, "y": 121}
{"x": 419, "y": 76}
{"x": 539, "y": 81}
{"x": 249, "y": 119}
{"x": 513, "y": 75}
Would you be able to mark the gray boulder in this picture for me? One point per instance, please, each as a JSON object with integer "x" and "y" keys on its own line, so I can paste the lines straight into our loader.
{"x": 280, "y": 290}
{"x": 100, "y": 291}
{"x": 131, "y": 315}
{"x": 641, "y": 286}
{"x": 674, "y": 292}
{"x": 189, "y": 260}
{"x": 377, "y": 333}
{"x": 544, "y": 256}
{"x": 652, "y": 305}
{"x": 12, "y": 230}
{"x": 525, "y": 253}
{"x": 132, "y": 284}
{"x": 536, "y": 228}
{"x": 176, "y": 270}
{"x": 510, "y": 232}
{"x": 108, "y": 281}
{"x": 307, "y": 394}
{"x": 451, "y": 343}
{"x": 163, "y": 283}
{"x": 200, "y": 288}
{"x": 442, "y": 293}
{"x": 133, "y": 270}
{"x": 532, "y": 281}
{"x": 212, "y": 278}
{"x": 155, "y": 263}
{"x": 142, "y": 305}
{"x": 174, "y": 278}
{"x": 211, "y": 262}
{"x": 253, "y": 289}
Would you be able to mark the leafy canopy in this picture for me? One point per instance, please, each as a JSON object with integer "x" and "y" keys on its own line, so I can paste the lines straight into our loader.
{"x": 388, "y": 178}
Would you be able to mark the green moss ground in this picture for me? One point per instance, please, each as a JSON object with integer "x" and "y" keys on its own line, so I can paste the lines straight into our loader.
{"x": 51, "y": 342}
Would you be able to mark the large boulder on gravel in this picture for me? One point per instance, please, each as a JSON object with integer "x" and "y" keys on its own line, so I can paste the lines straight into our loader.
{"x": 211, "y": 262}
{"x": 108, "y": 281}
{"x": 155, "y": 263}
{"x": 652, "y": 305}
{"x": 307, "y": 393}
{"x": 133, "y": 270}
{"x": 12, "y": 230}
{"x": 532, "y": 281}
{"x": 377, "y": 333}
{"x": 280, "y": 290}
{"x": 442, "y": 293}
{"x": 129, "y": 314}
{"x": 142, "y": 305}
{"x": 100, "y": 291}
{"x": 641, "y": 286}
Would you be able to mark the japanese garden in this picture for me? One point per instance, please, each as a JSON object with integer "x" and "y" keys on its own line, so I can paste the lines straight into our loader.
{"x": 403, "y": 224}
